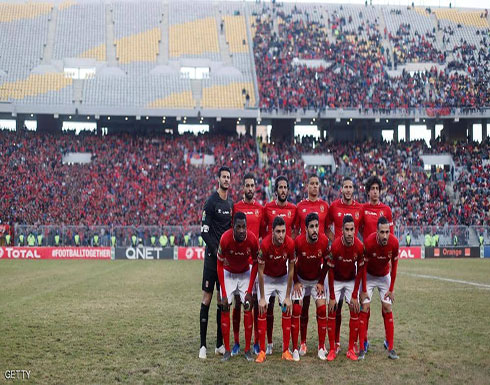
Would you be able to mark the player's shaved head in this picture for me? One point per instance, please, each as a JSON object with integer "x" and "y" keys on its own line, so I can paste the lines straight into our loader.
{"x": 240, "y": 226}
{"x": 313, "y": 187}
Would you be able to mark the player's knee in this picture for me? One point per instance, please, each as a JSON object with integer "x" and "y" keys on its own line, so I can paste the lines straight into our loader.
{"x": 365, "y": 307}
{"x": 206, "y": 298}
{"x": 225, "y": 307}
{"x": 386, "y": 308}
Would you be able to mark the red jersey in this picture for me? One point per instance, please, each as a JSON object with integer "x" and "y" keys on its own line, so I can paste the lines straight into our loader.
{"x": 371, "y": 214}
{"x": 235, "y": 255}
{"x": 272, "y": 210}
{"x": 337, "y": 211}
{"x": 378, "y": 258}
{"x": 254, "y": 212}
{"x": 275, "y": 257}
{"x": 305, "y": 207}
{"x": 343, "y": 259}
{"x": 310, "y": 257}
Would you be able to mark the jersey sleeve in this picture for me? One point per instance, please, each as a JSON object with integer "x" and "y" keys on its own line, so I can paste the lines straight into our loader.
{"x": 207, "y": 216}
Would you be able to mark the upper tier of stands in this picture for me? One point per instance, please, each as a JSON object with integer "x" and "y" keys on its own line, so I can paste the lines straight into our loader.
{"x": 364, "y": 51}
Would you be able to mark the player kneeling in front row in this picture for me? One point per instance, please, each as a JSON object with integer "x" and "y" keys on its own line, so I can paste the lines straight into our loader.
{"x": 343, "y": 282}
{"x": 381, "y": 247}
{"x": 311, "y": 252}
{"x": 236, "y": 246}
{"x": 276, "y": 269}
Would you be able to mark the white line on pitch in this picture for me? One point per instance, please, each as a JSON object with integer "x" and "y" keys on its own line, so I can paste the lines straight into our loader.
{"x": 447, "y": 279}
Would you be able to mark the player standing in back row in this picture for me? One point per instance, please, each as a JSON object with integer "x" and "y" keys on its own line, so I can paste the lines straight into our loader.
{"x": 312, "y": 204}
{"x": 338, "y": 208}
{"x": 371, "y": 212}
{"x": 287, "y": 211}
{"x": 254, "y": 212}
{"x": 216, "y": 219}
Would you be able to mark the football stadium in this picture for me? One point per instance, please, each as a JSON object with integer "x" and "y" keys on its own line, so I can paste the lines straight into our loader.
{"x": 179, "y": 178}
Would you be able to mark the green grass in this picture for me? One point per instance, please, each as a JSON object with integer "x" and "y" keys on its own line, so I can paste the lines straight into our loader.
{"x": 135, "y": 322}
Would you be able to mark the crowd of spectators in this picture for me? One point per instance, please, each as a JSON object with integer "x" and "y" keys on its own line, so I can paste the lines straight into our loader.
{"x": 149, "y": 181}
{"x": 353, "y": 63}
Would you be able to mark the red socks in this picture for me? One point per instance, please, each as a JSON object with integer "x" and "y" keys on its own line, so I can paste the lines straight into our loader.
{"x": 247, "y": 322}
{"x": 295, "y": 324}
{"x": 304, "y": 318}
{"x": 353, "y": 329}
{"x": 262, "y": 321}
{"x": 321, "y": 319}
{"x": 270, "y": 322}
{"x": 363, "y": 321}
{"x": 236, "y": 324}
{"x": 225, "y": 328}
{"x": 389, "y": 329}
{"x": 331, "y": 330}
{"x": 286, "y": 331}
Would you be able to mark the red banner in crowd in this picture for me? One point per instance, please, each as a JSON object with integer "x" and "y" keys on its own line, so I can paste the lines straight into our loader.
{"x": 410, "y": 253}
{"x": 4, "y": 229}
{"x": 189, "y": 253}
{"x": 55, "y": 253}
{"x": 441, "y": 111}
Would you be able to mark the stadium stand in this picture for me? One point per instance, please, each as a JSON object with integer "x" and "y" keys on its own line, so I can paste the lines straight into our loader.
{"x": 150, "y": 180}
{"x": 137, "y": 30}
{"x": 80, "y": 31}
{"x": 193, "y": 31}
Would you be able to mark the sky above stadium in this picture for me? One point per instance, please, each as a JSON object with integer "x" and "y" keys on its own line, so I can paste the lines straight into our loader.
{"x": 421, "y": 3}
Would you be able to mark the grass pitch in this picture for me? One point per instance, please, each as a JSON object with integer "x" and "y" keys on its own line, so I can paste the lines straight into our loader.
{"x": 135, "y": 322}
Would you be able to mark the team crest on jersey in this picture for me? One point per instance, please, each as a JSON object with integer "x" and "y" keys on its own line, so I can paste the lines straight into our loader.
{"x": 303, "y": 254}
{"x": 289, "y": 214}
{"x": 319, "y": 253}
{"x": 339, "y": 214}
{"x": 249, "y": 251}
{"x": 322, "y": 209}
{"x": 304, "y": 210}
{"x": 357, "y": 215}
{"x": 381, "y": 214}
{"x": 374, "y": 254}
{"x": 257, "y": 213}
{"x": 273, "y": 212}
{"x": 231, "y": 252}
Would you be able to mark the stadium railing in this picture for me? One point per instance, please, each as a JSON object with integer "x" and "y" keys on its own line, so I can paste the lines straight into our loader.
{"x": 466, "y": 235}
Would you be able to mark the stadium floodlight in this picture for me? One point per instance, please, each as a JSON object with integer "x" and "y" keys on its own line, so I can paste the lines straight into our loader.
{"x": 14, "y": 114}
{"x": 337, "y": 120}
{"x": 88, "y": 117}
{"x": 147, "y": 117}
{"x": 32, "y": 115}
{"x": 108, "y": 118}
{"x": 456, "y": 119}
{"x": 126, "y": 118}
{"x": 387, "y": 120}
{"x": 69, "y": 117}
{"x": 348, "y": 123}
